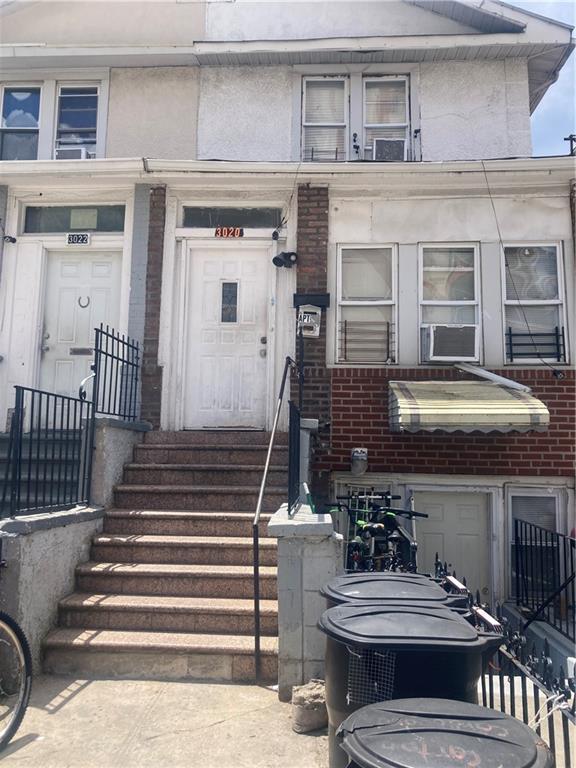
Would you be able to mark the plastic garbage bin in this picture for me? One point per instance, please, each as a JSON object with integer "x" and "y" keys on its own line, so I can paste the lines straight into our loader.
{"x": 385, "y": 651}
{"x": 438, "y": 733}
{"x": 405, "y": 588}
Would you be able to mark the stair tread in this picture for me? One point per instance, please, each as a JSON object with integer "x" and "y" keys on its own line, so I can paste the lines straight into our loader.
{"x": 207, "y": 467}
{"x": 86, "y": 601}
{"x": 179, "y": 541}
{"x": 170, "y": 514}
{"x": 172, "y": 569}
{"x": 176, "y": 642}
{"x": 208, "y": 447}
{"x": 240, "y": 489}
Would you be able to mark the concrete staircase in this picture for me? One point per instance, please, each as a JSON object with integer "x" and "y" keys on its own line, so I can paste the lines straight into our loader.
{"x": 168, "y": 591}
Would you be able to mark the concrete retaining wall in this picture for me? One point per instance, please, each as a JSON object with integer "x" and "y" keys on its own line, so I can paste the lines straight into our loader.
{"x": 114, "y": 442}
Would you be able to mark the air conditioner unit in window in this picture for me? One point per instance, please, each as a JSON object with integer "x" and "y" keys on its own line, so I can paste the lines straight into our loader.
{"x": 73, "y": 153}
{"x": 451, "y": 343}
{"x": 389, "y": 150}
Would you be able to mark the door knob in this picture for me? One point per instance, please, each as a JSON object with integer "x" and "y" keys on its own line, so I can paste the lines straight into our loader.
{"x": 262, "y": 353}
{"x": 263, "y": 340}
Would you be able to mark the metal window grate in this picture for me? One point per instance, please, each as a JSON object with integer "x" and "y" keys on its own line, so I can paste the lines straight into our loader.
{"x": 370, "y": 676}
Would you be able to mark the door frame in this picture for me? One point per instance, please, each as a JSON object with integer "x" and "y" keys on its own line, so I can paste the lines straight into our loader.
{"x": 180, "y": 317}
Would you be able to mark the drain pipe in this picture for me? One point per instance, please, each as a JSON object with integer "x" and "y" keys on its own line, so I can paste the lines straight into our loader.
{"x": 493, "y": 377}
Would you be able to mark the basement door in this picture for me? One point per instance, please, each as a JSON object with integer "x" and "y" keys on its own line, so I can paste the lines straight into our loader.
{"x": 226, "y": 368}
{"x": 458, "y": 528}
{"x": 82, "y": 291}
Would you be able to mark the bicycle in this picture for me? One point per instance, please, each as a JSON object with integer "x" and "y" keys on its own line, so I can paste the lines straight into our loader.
{"x": 15, "y": 674}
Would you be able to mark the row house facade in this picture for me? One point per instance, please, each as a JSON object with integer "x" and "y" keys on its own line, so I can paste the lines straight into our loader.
{"x": 387, "y": 145}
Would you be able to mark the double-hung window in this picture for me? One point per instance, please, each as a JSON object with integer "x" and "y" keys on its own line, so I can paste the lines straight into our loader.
{"x": 533, "y": 305}
{"x": 77, "y": 121}
{"x": 366, "y": 304}
{"x": 356, "y": 117}
{"x": 20, "y": 123}
{"x": 449, "y": 306}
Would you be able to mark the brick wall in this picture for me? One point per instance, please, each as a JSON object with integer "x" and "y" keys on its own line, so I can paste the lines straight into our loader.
{"x": 359, "y": 416}
{"x": 312, "y": 248}
{"x": 151, "y": 371}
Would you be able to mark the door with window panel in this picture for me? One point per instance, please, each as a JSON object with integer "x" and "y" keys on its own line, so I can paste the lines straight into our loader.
{"x": 20, "y": 123}
{"x": 533, "y": 305}
{"x": 366, "y": 305}
{"x": 539, "y": 556}
{"x": 226, "y": 366}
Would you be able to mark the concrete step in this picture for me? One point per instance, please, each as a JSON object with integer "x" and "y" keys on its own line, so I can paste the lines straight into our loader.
{"x": 167, "y": 614}
{"x": 203, "y": 474}
{"x": 156, "y": 655}
{"x": 182, "y": 523}
{"x": 215, "y": 437}
{"x": 172, "y": 580}
{"x": 239, "y": 498}
{"x": 208, "y": 454}
{"x": 192, "y": 550}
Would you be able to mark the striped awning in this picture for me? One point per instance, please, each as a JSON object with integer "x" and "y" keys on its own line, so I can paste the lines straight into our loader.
{"x": 464, "y": 406}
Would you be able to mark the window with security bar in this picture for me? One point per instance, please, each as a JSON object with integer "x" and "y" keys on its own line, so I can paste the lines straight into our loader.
{"x": 366, "y": 304}
{"x": 534, "y": 325}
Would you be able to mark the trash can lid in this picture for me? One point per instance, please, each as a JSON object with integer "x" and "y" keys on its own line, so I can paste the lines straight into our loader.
{"x": 403, "y": 627}
{"x": 439, "y": 733}
{"x": 387, "y": 586}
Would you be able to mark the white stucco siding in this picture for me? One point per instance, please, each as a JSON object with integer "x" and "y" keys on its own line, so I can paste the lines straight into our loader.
{"x": 474, "y": 110}
{"x": 153, "y": 112}
{"x": 301, "y": 20}
{"x": 245, "y": 113}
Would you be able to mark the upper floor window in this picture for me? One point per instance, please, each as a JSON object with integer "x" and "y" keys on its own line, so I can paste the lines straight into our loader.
{"x": 449, "y": 306}
{"x": 366, "y": 304}
{"x": 77, "y": 122}
{"x": 20, "y": 123}
{"x": 533, "y": 305}
{"x": 355, "y": 118}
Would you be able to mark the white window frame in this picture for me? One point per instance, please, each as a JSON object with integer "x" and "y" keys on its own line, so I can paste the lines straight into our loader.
{"x": 78, "y": 84}
{"x": 366, "y": 303}
{"x": 345, "y": 124}
{"x": 378, "y": 79}
{"x": 559, "y": 302}
{"x": 438, "y": 303}
{"x": 9, "y": 85}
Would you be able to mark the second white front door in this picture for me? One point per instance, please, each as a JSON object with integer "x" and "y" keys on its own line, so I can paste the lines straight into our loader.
{"x": 226, "y": 368}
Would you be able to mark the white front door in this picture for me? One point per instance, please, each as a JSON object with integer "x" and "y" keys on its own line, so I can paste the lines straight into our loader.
{"x": 458, "y": 529}
{"x": 226, "y": 369}
{"x": 82, "y": 291}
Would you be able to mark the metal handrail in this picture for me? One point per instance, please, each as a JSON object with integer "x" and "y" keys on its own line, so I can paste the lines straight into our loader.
{"x": 289, "y": 364}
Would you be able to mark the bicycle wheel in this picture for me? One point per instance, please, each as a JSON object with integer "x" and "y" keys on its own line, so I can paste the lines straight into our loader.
{"x": 15, "y": 677}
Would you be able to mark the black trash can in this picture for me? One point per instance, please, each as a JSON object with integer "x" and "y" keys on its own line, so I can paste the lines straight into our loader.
{"x": 404, "y": 588}
{"x": 438, "y": 733}
{"x": 386, "y": 651}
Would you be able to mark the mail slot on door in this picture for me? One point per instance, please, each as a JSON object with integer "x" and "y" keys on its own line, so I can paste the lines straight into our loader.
{"x": 80, "y": 350}
{"x": 309, "y": 320}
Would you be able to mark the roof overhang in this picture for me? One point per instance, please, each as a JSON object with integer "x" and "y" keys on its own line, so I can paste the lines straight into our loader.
{"x": 463, "y": 406}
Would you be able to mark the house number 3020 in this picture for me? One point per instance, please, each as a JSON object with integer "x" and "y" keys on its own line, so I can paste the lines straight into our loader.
{"x": 228, "y": 232}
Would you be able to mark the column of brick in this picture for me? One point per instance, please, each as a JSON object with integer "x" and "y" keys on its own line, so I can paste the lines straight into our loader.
{"x": 151, "y": 371}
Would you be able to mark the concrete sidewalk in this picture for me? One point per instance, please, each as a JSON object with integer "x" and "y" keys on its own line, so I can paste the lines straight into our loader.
{"x": 124, "y": 723}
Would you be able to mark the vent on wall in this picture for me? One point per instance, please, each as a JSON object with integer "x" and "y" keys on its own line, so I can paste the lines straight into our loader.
{"x": 450, "y": 343}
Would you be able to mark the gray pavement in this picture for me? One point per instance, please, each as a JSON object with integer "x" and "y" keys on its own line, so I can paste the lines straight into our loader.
{"x": 124, "y": 723}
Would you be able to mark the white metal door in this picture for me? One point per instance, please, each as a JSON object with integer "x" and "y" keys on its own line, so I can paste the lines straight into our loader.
{"x": 226, "y": 370}
{"x": 82, "y": 291}
{"x": 458, "y": 528}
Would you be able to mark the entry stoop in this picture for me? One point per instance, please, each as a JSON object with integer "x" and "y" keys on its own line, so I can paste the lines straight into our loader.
{"x": 168, "y": 592}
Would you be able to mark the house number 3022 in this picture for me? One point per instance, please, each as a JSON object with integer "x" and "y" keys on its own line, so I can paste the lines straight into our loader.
{"x": 78, "y": 238}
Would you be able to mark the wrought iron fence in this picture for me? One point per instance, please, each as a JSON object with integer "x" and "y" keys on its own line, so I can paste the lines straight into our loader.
{"x": 293, "y": 455}
{"x": 522, "y": 682}
{"x": 544, "y": 576}
{"x": 49, "y": 453}
{"x": 116, "y": 372}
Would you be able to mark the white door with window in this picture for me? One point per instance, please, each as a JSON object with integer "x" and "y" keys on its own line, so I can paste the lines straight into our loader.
{"x": 82, "y": 291}
{"x": 458, "y": 529}
{"x": 226, "y": 360}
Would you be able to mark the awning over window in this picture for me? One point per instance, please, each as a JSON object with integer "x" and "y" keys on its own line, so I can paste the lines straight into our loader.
{"x": 463, "y": 406}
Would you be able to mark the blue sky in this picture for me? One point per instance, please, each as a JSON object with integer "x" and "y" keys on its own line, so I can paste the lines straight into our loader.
{"x": 554, "y": 117}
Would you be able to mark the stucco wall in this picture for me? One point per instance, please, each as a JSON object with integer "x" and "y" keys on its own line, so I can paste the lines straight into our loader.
{"x": 153, "y": 112}
{"x": 474, "y": 110}
{"x": 296, "y": 20}
{"x": 245, "y": 113}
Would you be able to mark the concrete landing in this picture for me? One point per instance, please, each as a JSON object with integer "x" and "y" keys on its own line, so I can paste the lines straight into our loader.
{"x": 135, "y": 724}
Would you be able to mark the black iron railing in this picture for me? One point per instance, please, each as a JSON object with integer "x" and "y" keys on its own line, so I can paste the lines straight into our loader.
{"x": 116, "y": 370}
{"x": 293, "y": 456}
{"x": 544, "y": 576}
{"x": 49, "y": 453}
{"x": 521, "y": 681}
{"x": 550, "y": 345}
